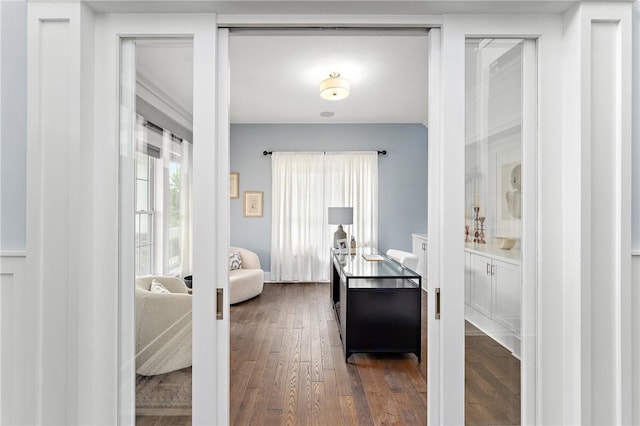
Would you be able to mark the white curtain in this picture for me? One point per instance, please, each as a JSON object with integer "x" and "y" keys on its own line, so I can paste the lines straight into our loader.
{"x": 352, "y": 181}
{"x": 298, "y": 217}
{"x": 304, "y": 185}
{"x": 186, "y": 183}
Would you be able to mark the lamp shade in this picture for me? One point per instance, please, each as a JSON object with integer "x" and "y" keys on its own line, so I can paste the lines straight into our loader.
{"x": 334, "y": 88}
{"x": 340, "y": 215}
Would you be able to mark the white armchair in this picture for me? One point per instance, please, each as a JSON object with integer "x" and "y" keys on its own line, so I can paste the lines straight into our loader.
{"x": 248, "y": 281}
{"x": 163, "y": 326}
{"x": 404, "y": 258}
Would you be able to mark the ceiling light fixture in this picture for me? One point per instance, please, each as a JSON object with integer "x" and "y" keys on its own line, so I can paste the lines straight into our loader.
{"x": 334, "y": 88}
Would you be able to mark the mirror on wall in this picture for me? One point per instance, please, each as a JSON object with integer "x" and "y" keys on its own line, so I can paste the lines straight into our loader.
{"x": 155, "y": 184}
{"x": 493, "y": 230}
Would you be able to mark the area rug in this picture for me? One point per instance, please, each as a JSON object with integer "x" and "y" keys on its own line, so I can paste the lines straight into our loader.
{"x": 164, "y": 391}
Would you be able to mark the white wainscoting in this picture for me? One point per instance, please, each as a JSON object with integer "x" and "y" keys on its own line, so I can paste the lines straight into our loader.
{"x": 12, "y": 344}
{"x": 635, "y": 351}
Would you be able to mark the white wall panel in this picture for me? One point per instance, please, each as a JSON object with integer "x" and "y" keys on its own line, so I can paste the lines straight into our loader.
{"x": 59, "y": 280}
{"x": 635, "y": 352}
{"x": 597, "y": 215}
{"x": 54, "y": 112}
{"x": 604, "y": 123}
{"x": 12, "y": 348}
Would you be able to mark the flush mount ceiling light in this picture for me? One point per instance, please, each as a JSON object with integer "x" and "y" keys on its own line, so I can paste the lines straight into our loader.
{"x": 334, "y": 88}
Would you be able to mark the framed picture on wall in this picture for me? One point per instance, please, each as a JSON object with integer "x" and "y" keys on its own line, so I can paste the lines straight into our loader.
{"x": 234, "y": 185}
{"x": 342, "y": 246}
{"x": 252, "y": 203}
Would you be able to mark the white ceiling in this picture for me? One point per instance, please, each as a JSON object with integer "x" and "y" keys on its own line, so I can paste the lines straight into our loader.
{"x": 275, "y": 76}
{"x": 166, "y": 68}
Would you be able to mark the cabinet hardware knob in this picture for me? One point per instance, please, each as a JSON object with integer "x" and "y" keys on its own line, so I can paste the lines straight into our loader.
{"x": 437, "y": 303}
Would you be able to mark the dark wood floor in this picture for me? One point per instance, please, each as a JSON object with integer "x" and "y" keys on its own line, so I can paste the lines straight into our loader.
{"x": 287, "y": 367}
{"x": 492, "y": 381}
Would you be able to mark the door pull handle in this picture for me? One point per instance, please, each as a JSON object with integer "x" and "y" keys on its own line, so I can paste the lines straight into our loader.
{"x": 438, "y": 303}
{"x": 219, "y": 303}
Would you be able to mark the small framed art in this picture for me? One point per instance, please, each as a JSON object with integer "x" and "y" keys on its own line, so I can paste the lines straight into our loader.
{"x": 252, "y": 203}
{"x": 342, "y": 247}
{"x": 234, "y": 185}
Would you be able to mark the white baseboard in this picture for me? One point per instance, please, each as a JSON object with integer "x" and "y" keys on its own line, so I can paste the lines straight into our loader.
{"x": 497, "y": 332}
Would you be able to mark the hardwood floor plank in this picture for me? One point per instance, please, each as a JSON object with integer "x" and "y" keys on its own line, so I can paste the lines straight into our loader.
{"x": 349, "y": 384}
{"x": 272, "y": 417}
{"x": 325, "y": 344}
{"x": 384, "y": 409}
{"x": 278, "y": 336}
{"x": 409, "y": 411}
{"x": 265, "y": 392}
{"x": 348, "y": 410}
{"x": 240, "y": 377}
{"x": 305, "y": 394}
{"x": 317, "y": 367}
{"x": 290, "y": 402}
{"x": 280, "y": 380}
{"x": 305, "y": 338}
{"x": 246, "y": 407}
{"x": 332, "y": 401}
{"x": 319, "y": 414}
{"x": 257, "y": 375}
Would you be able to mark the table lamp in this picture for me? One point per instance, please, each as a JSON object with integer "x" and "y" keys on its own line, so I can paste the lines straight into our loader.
{"x": 340, "y": 216}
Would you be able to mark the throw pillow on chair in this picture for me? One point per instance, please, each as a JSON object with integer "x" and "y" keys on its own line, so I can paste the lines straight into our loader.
{"x": 235, "y": 261}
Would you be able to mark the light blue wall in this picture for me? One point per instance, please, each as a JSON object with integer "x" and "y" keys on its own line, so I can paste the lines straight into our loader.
{"x": 402, "y": 175}
{"x": 13, "y": 125}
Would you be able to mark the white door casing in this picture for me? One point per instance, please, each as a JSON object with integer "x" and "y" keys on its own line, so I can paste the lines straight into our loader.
{"x": 561, "y": 117}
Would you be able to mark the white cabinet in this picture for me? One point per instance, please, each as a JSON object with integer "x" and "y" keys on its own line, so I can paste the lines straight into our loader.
{"x": 506, "y": 303}
{"x": 493, "y": 294}
{"x": 481, "y": 284}
{"x": 420, "y": 249}
{"x": 467, "y": 278}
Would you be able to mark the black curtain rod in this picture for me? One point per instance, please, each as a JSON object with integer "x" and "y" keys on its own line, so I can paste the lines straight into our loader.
{"x": 380, "y": 152}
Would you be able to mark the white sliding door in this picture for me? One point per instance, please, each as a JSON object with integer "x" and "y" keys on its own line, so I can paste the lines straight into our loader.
{"x": 116, "y": 37}
{"x": 450, "y": 103}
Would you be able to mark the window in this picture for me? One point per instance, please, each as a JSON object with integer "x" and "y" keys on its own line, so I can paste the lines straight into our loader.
{"x": 173, "y": 209}
{"x": 162, "y": 216}
{"x": 304, "y": 185}
{"x": 145, "y": 212}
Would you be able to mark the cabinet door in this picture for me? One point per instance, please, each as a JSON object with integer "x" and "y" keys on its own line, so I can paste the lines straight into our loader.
{"x": 467, "y": 278}
{"x": 507, "y": 282}
{"x": 419, "y": 246}
{"x": 481, "y": 284}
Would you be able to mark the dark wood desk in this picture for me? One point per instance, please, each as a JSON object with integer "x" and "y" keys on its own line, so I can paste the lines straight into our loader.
{"x": 377, "y": 304}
